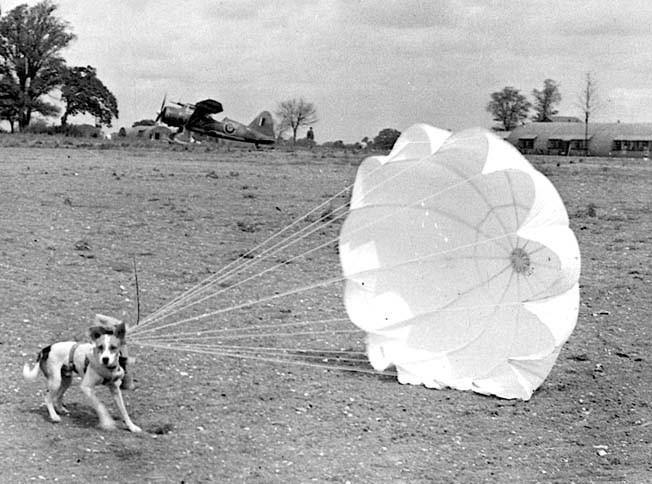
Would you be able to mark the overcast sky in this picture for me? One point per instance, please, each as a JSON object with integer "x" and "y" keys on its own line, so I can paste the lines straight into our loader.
{"x": 366, "y": 65}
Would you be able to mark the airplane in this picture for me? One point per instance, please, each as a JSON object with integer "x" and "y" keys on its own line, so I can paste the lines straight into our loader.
{"x": 196, "y": 118}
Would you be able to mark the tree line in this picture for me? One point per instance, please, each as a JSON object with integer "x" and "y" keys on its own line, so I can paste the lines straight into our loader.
{"x": 510, "y": 108}
{"x": 31, "y": 68}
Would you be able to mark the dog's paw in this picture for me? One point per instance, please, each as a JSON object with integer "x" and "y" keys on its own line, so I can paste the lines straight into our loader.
{"x": 107, "y": 425}
{"x": 62, "y": 409}
{"x": 55, "y": 418}
{"x": 135, "y": 428}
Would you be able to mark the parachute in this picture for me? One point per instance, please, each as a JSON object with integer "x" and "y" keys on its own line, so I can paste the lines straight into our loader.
{"x": 459, "y": 263}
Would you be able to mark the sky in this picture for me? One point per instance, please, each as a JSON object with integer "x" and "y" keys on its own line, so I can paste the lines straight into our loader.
{"x": 365, "y": 65}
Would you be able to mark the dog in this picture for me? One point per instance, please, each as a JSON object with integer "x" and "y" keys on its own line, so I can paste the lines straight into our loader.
{"x": 97, "y": 363}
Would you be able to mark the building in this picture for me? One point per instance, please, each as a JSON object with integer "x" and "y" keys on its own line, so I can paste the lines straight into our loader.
{"x": 565, "y": 119}
{"x": 567, "y": 138}
{"x": 156, "y": 132}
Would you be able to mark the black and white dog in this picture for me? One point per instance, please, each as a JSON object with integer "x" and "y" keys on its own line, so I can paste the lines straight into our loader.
{"x": 97, "y": 363}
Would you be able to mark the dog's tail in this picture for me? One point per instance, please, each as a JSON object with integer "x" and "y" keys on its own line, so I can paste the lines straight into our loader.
{"x": 31, "y": 374}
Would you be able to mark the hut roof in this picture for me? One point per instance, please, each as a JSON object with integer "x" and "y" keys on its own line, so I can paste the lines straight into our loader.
{"x": 567, "y": 131}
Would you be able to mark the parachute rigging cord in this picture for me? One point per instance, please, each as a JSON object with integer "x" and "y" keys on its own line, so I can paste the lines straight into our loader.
{"x": 167, "y": 328}
{"x": 458, "y": 268}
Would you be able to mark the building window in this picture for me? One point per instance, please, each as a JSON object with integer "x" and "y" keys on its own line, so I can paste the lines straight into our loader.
{"x": 562, "y": 144}
{"x": 526, "y": 144}
{"x": 555, "y": 144}
{"x": 630, "y": 145}
{"x": 577, "y": 144}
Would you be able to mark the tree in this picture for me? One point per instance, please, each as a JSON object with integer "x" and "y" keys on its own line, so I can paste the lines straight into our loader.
{"x": 386, "y": 138}
{"x": 546, "y": 100}
{"x": 294, "y": 114}
{"x": 509, "y": 107}
{"x": 9, "y": 95}
{"x": 588, "y": 102}
{"x": 83, "y": 93}
{"x": 31, "y": 39}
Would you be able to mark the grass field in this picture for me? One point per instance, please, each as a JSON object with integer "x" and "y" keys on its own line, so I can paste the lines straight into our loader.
{"x": 73, "y": 218}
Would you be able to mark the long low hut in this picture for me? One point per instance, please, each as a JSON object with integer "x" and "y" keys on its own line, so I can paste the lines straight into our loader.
{"x": 156, "y": 132}
{"x": 602, "y": 139}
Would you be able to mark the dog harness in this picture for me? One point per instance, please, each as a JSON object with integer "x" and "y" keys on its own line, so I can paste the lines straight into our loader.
{"x": 69, "y": 369}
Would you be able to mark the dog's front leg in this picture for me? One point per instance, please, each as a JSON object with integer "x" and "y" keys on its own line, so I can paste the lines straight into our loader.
{"x": 106, "y": 421}
{"x": 117, "y": 396}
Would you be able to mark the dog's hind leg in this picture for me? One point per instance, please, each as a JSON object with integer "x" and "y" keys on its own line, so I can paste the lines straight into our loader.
{"x": 54, "y": 385}
{"x": 66, "y": 380}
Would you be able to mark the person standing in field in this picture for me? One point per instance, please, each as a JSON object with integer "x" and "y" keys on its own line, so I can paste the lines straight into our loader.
{"x": 310, "y": 136}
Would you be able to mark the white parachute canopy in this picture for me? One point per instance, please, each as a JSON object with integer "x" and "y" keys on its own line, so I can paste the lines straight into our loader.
{"x": 460, "y": 264}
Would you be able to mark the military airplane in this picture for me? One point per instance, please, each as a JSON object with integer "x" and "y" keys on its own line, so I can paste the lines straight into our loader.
{"x": 197, "y": 119}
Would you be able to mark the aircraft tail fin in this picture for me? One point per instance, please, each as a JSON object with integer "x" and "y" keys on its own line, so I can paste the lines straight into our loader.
{"x": 264, "y": 124}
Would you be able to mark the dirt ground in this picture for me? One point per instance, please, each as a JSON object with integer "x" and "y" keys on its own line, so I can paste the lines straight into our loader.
{"x": 72, "y": 219}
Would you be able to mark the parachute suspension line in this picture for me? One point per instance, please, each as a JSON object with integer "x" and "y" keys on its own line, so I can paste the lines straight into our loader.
{"x": 182, "y": 302}
{"x": 187, "y": 301}
{"x": 141, "y": 330}
{"x": 303, "y": 289}
{"x": 152, "y": 336}
{"x": 211, "y": 280}
{"x": 142, "y": 327}
{"x": 286, "y": 355}
{"x": 266, "y": 359}
{"x": 260, "y": 335}
{"x": 312, "y": 353}
{"x": 226, "y": 332}
{"x": 189, "y": 298}
{"x": 251, "y": 252}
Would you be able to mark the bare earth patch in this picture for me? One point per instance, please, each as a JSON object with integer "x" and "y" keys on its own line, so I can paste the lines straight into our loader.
{"x": 71, "y": 219}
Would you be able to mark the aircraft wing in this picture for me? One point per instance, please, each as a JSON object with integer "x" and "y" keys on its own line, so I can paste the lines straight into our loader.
{"x": 204, "y": 108}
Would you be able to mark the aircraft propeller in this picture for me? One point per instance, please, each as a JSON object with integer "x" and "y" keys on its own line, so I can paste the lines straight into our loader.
{"x": 160, "y": 113}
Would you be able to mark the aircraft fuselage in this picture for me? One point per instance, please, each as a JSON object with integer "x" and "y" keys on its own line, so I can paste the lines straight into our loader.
{"x": 196, "y": 118}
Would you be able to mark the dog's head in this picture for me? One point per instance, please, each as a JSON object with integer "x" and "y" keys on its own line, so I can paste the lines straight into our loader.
{"x": 108, "y": 338}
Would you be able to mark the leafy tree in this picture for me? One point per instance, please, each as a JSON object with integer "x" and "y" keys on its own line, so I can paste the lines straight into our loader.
{"x": 294, "y": 114}
{"x": 82, "y": 92}
{"x": 386, "y": 138}
{"x": 546, "y": 100}
{"x": 9, "y": 95}
{"x": 509, "y": 107}
{"x": 367, "y": 142}
{"x": 31, "y": 39}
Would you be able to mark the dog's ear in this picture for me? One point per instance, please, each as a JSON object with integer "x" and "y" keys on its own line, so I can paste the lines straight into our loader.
{"x": 120, "y": 331}
{"x": 97, "y": 331}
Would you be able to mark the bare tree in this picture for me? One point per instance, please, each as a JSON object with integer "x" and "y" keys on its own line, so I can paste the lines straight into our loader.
{"x": 588, "y": 102}
{"x": 294, "y": 114}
